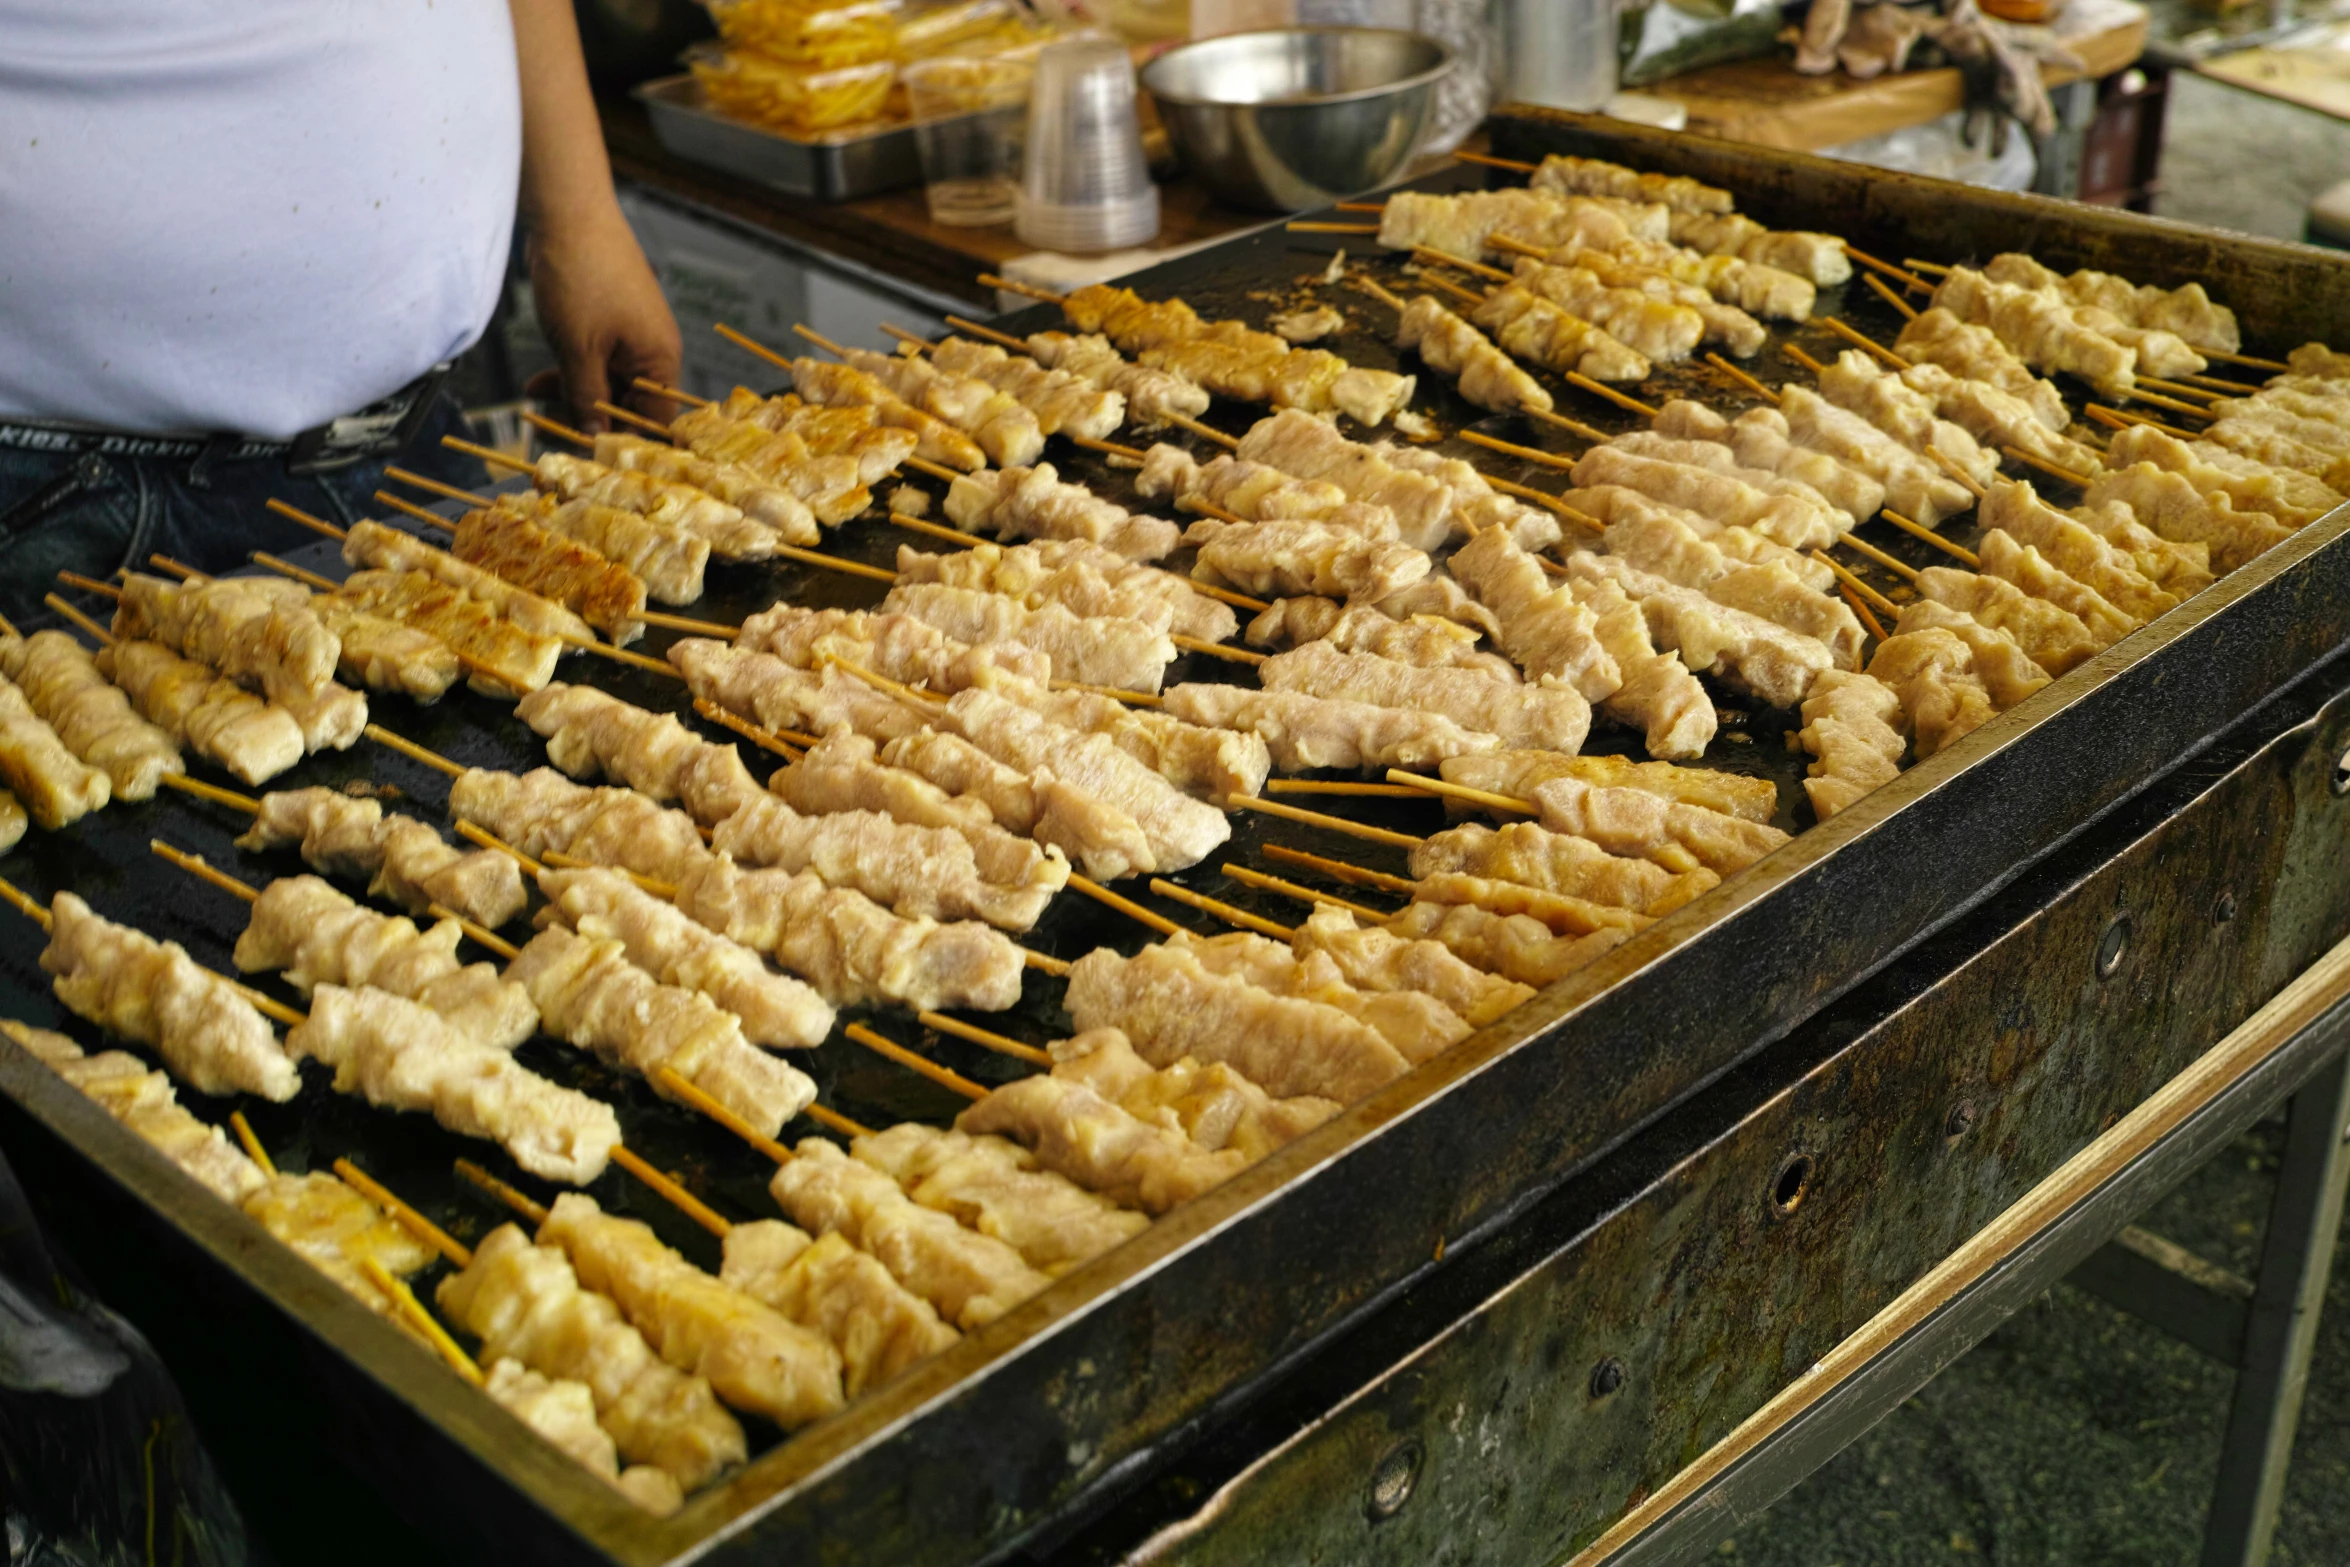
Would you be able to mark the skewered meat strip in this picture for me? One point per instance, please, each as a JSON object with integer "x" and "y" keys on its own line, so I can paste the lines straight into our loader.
{"x": 2293, "y": 498}
{"x": 995, "y": 1186}
{"x": 1417, "y": 1026}
{"x": 1486, "y": 376}
{"x": 879, "y": 1326}
{"x": 845, "y": 386}
{"x": 1570, "y": 864}
{"x": 1208, "y": 1102}
{"x": 1206, "y": 762}
{"x": 410, "y": 863}
{"x": 317, "y": 936}
{"x": 1719, "y": 322}
{"x": 594, "y": 998}
{"x": 1061, "y": 402}
{"x": 1533, "y": 328}
{"x": 525, "y": 1303}
{"x": 730, "y": 534}
{"x": 762, "y": 687}
{"x": 1976, "y": 353}
{"x": 1554, "y": 639}
{"x": 1006, "y": 431}
{"x": 1424, "y": 640}
{"x": 144, "y": 1100}
{"x": 53, "y": 784}
{"x": 1535, "y": 717}
{"x": 2161, "y": 352}
{"x": 2282, "y": 440}
{"x": 915, "y": 872}
{"x": 1760, "y": 443}
{"x": 1998, "y": 660}
{"x": 1796, "y": 520}
{"x": 218, "y": 719}
{"x": 239, "y": 625}
{"x": 564, "y": 1412}
{"x": 775, "y": 1009}
{"x": 1101, "y": 1145}
{"x": 1651, "y": 327}
{"x": 331, "y": 721}
{"x": 383, "y": 655}
{"x": 1998, "y": 417}
{"x": 2074, "y": 549}
{"x": 1769, "y": 660}
{"x": 515, "y": 659}
{"x": 1094, "y": 650}
{"x": 971, "y": 1278}
{"x": 1857, "y": 382}
{"x": 373, "y": 546}
{"x": 2039, "y": 328}
{"x": 336, "y": 1230}
{"x": 1476, "y": 505}
{"x": 590, "y": 734}
{"x": 1852, "y": 726}
{"x": 738, "y": 484}
{"x": 566, "y": 568}
{"x": 1034, "y": 503}
{"x": 2187, "y": 311}
{"x": 1593, "y": 240}
{"x": 1516, "y": 946}
{"x": 1912, "y": 483}
{"x": 153, "y": 993}
{"x": 401, "y": 1055}
{"x": 1104, "y": 839}
{"x": 1438, "y": 594}
{"x": 1659, "y": 696}
{"x": 854, "y": 430}
{"x": 13, "y": 821}
{"x": 1297, "y": 443}
{"x": 1933, "y": 674}
{"x": 1259, "y": 492}
{"x": 1170, "y": 1006}
{"x": 336, "y": 832}
{"x": 855, "y": 952}
{"x": 843, "y": 772}
{"x": 1282, "y": 559}
{"x": 894, "y": 644}
{"x": 2053, "y": 637}
{"x": 1819, "y": 258}
{"x": 752, "y": 1356}
{"x": 1305, "y": 732}
{"x": 2007, "y": 558}
{"x": 1674, "y": 552}
{"x": 61, "y": 679}
{"x": 2181, "y": 570}
{"x": 1640, "y": 825}
{"x": 1081, "y": 575}
{"x": 1569, "y": 176}
{"x": 1609, "y": 504}
{"x": 1561, "y": 913}
{"x": 668, "y": 559}
{"x": 542, "y": 810}
{"x": 1462, "y": 223}
{"x": 1151, "y": 395}
{"x": 1519, "y": 773}
{"x": 1374, "y": 958}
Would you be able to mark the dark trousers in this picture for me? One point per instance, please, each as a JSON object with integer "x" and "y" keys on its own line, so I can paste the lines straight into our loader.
{"x": 98, "y": 515}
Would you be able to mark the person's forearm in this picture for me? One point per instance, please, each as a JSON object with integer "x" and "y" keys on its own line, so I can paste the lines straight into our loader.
{"x": 566, "y": 178}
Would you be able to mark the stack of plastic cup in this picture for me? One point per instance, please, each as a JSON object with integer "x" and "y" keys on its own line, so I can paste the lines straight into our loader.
{"x": 1086, "y": 185}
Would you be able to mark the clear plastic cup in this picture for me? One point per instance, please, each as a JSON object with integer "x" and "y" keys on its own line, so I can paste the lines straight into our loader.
{"x": 1086, "y": 185}
{"x": 970, "y": 120}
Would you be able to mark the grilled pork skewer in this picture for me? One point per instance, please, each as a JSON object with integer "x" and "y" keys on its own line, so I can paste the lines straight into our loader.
{"x": 1151, "y": 395}
{"x": 406, "y": 860}
{"x": 729, "y": 533}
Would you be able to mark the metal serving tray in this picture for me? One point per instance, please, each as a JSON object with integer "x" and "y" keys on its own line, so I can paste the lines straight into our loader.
{"x": 835, "y": 167}
{"x": 1028, "y": 1428}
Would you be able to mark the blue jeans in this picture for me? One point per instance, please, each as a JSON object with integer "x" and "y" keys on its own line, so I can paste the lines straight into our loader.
{"x": 98, "y": 515}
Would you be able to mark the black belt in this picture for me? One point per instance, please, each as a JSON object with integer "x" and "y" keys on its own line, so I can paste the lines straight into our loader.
{"x": 378, "y": 430}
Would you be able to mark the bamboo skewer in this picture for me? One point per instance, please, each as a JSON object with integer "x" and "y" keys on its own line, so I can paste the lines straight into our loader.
{"x": 1332, "y": 228}
{"x": 987, "y": 334}
{"x": 2217, "y": 384}
{"x": 1124, "y": 905}
{"x": 411, "y": 1311}
{"x": 2277, "y": 366}
{"x": 1959, "y": 476}
{"x": 411, "y": 750}
{"x": 1206, "y": 432}
{"x": 1926, "y": 535}
{"x": 1353, "y": 875}
{"x": 2180, "y": 389}
{"x": 939, "y": 471}
{"x": 1909, "y": 312}
{"x": 1906, "y": 279}
{"x": 1446, "y": 787}
{"x": 286, "y": 568}
{"x": 933, "y": 530}
{"x": 1494, "y": 163}
{"x": 2053, "y": 470}
{"x": 1113, "y": 448}
{"x": 1860, "y": 610}
{"x": 88, "y": 626}
{"x": 406, "y": 1217}
{"x": 820, "y": 340}
{"x": 1548, "y": 502}
{"x": 253, "y": 1149}
{"x": 1385, "y": 296}
{"x": 669, "y": 1190}
{"x": 1290, "y": 889}
{"x": 1001, "y": 1044}
{"x": 1226, "y": 912}
{"x": 1858, "y": 587}
{"x": 788, "y": 744}
{"x": 1864, "y": 342}
{"x": 1623, "y": 400}
{"x": 672, "y": 393}
{"x": 991, "y": 280}
{"x": 1741, "y": 377}
{"x": 408, "y": 508}
{"x": 1897, "y": 567}
{"x": 561, "y": 432}
{"x": 317, "y": 525}
{"x": 1445, "y": 258}
{"x": 945, "y": 1077}
{"x": 612, "y": 410}
{"x": 2174, "y": 404}
{"x": 213, "y": 792}
{"x": 417, "y": 481}
{"x": 1367, "y": 791}
{"x": 16, "y": 897}
{"x": 1935, "y": 268}
{"x": 1250, "y": 802}
{"x": 521, "y": 1202}
{"x": 902, "y": 335}
{"x": 1234, "y": 655}
{"x": 1802, "y": 358}
{"x": 751, "y": 345}
{"x": 1467, "y": 296}
{"x": 2117, "y": 419}
{"x": 1574, "y": 427}
{"x": 686, "y": 623}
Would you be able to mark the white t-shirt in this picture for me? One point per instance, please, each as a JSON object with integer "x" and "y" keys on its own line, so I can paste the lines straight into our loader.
{"x": 247, "y": 215}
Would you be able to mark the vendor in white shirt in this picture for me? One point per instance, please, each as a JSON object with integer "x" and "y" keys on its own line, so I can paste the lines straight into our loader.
{"x": 238, "y": 240}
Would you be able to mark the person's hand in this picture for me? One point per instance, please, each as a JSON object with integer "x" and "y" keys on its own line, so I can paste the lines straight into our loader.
{"x": 602, "y": 312}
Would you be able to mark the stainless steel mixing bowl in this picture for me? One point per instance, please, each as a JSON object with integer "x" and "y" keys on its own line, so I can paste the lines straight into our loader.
{"x": 1295, "y": 117}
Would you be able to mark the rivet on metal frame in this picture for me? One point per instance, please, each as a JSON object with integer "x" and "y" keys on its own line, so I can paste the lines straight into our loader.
{"x": 2113, "y": 946}
{"x": 1791, "y": 1185}
{"x": 1393, "y": 1480}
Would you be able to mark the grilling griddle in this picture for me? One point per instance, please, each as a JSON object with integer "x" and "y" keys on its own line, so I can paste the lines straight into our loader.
{"x": 1023, "y": 1430}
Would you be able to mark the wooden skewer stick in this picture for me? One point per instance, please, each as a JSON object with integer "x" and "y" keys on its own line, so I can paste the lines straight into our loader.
{"x": 1130, "y": 453}
{"x": 407, "y": 508}
{"x": 1625, "y": 401}
{"x": 1908, "y": 280}
{"x": 1515, "y": 245}
{"x": 1741, "y": 377}
{"x": 513, "y": 1197}
{"x": 213, "y": 792}
{"x": 1574, "y": 427}
{"x": 411, "y": 1311}
{"x": 1229, "y": 913}
{"x": 827, "y": 344}
{"x": 411, "y": 750}
{"x": 253, "y": 1149}
{"x": 686, "y": 1092}
{"x": 1114, "y": 693}
{"x": 1333, "y": 228}
{"x": 1206, "y": 432}
{"x": 990, "y": 280}
{"x": 1001, "y": 1044}
{"x": 904, "y": 336}
{"x": 1290, "y": 889}
{"x": 767, "y": 739}
{"x": 1926, "y": 535}
{"x": 1354, "y": 875}
{"x": 1044, "y": 963}
{"x": 1126, "y": 906}
{"x": 2053, "y": 470}
{"x": 448, "y": 492}
{"x": 830, "y": 1119}
{"x": 672, "y": 393}
{"x": 988, "y": 334}
{"x": 670, "y": 1191}
{"x": 1862, "y": 340}
{"x": 1338, "y": 786}
{"x": 883, "y": 683}
{"x": 406, "y": 1217}
{"x": 933, "y": 530}
{"x": 1802, "y": 358}
{"x": 568, "y": 862}
{"x": 1909, "y": 312}
{"x": 1859, "y": 587}
{"x": 314, "y": 524}
{"x": 945, "y": 1077}
{"x": 557, "y": 429}
{"x": 1960, "y": 476}
{"x": 1445, "y": 786}
{"x": 1385, "y": 296}
{"x": 1431, "y": 256}
{"x": 1194, "y": 504}
{"x": 74, "y": 579}
{"x": 934, "y": 470}
{"x": 1236, "y": 655}
{"x": 2215, "y": 383}
{"x": 2276, "y": 365}
{"x": 89, "y": 627}
{"x": 2180, "y": 389}
{"x": 2118, "y": 419}
{"x": 1358, "y": 206}
{"x": 1860, "y": 610}
{"x": 686, "y": 623}
{"x": 495, "y": 459}
{"x": 17, "y": 898}
{"x": 1934, "y": 267}
{"x": 481, "y": 837}
{"x": 2174, "y": 404}
{"x": 1250, "y": 802}
{"x": 1467, "y": 296}
{"x": 652, "y": 427}
{"x": 196, "y": 866}
{"x": 849, "y": 568}
{"x": 286, "y": 568}
{"x": 751, "y": 345}
{"x": 1550, "y": 503}
{"x": 1863, "y": 547}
